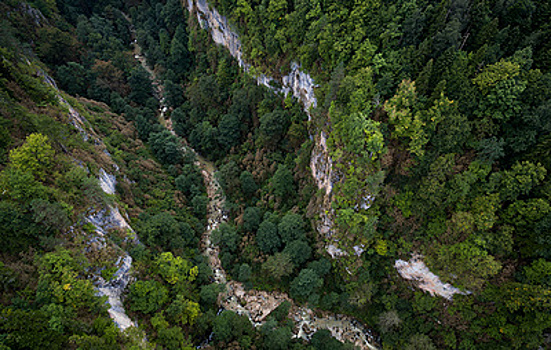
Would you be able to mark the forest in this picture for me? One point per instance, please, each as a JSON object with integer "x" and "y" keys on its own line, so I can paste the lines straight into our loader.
{"x": 437, "y": 122}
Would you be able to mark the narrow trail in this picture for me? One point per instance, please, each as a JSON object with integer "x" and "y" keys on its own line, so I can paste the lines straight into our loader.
{"x": 256, "y": 305}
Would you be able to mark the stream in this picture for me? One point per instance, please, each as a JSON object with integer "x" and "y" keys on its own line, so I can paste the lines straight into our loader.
{"x": 257, "y": 305}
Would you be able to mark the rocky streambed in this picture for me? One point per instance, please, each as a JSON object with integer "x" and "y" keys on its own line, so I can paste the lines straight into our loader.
{"x": 257, "y": 305}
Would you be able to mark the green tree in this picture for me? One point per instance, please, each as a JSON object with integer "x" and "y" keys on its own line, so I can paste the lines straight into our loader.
{"x": 495, "y": 73}
{"x": 248, "y": 185}
{"x": 229, "y": 131}
{"x": 420, "y": 342}
{"x": 281, "y": 313}
{"x": 167, "y": 147}
{"x": 51, "y": 215}
{"x": 305, "y": 284}
{"x": 191, "y": 181}
{"x": 226, "y": 237}
{"x": 209, "y": 294}
{"x": 267, "y": 237}
{"x": 36, "y": 156}
{"x": 407, "y": 123}
{"x": 251, "y": 219}
{"x": 357, "y": 134}
{"x": 175, "y": 269}
{"x": 272, "y": 127}
{"x": 467, "y": 263}
{"x": 140, "y": 85}
{"x": 291, "y": 228}
{"x": 180, "y": 58}
{"x": 282, "y": 182}
{"x": 522, "y": 177}
{"x": 199, "y": 204}
{"x": 164, "y": 230}
{"x": 183, "y": 310}
{"x": 322, "y": 340}
{"x": 278, "y": 265}
{"x": 21, "y": 186}
{"x": 203, "y": 137}
{"x": 539, "y": 272}
{"x": 245, "y": 272}
{"x": 229, "y": 326}
{"x": 174, "y": 94}
{"x": 59, "y": 282}
{"x": 389, "y": 321}
{"x": 276, "y": 10}
{"x": 173, "y": 339}
{"x": 228, "y": 177}
{"x": 278, "y": 339}
{"x": 28, "y": 329}
{"x": 55, "y": 47}
{"x": 147, "y": 296}
{"x": 299, "y": 251}
{"x": 73, "y": 78}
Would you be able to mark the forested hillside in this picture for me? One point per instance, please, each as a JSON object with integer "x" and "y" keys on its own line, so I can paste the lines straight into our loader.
{"x": 436, "y": 117}
{"x": 460, "y": 91}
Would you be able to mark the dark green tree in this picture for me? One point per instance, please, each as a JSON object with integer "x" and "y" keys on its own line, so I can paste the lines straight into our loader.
{"x": 140, "y": 85}
{"x": 251, "y": 219}
{"x": 167, "y": 147}
{"x": 299, "y": 251}
{"x": 305, "y": 284}
{"x": 282, "y": 182}
{"x": 267, "y": 238}
{"x": 191, "y": 181}
{"x": 229, "y": 326}
{"x": 248, "y": 185}
{"x": 226, "y": 237}
{"x": 229, "y": 131}
{"x": 291, "y": 228}
{"x": 278, "y": 265}
{"x": 180, "y": 58}
{"x": 73, "y": 78}
{"x": 272, "y": 128}
{"x": 199, "y": 204}
{"x": 164, "y": 230}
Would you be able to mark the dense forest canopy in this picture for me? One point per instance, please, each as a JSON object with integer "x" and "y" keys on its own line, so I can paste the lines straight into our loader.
{"x": 437, "y": 117}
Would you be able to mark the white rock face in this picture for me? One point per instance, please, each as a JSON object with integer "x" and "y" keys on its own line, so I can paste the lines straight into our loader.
{"x": 107, "y": 182}
{"x": 219, "y": 29}
{"x": 322, "y": 164}
{"x": 105, "y": 220}
{"x": 78, "y": 121}
{"x": 35, "y": 14}
{"x": 341, "y": 327}
{"x": 108, "y": 219}
{"x": 416, "y": 270}
{"x": 297, "y": 82}
{"x": 302, "y": 86}
{"x": 334, "y": 251}
{"x": 114, "y": 288}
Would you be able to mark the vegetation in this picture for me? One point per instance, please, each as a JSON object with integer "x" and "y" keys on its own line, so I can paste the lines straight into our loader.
{"x": 437, "y": 122}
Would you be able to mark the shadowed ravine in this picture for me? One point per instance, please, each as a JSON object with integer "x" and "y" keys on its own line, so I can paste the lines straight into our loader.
{"x": 256, "y": 305}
